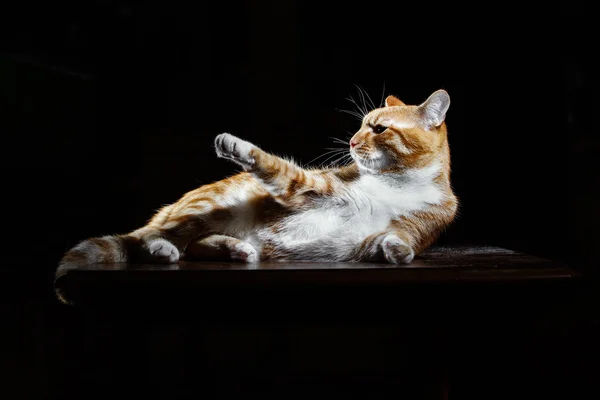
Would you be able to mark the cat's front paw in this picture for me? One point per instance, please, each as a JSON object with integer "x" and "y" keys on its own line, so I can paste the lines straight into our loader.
{"x": 235, "y": 149}
{"x": 396, "y": 250}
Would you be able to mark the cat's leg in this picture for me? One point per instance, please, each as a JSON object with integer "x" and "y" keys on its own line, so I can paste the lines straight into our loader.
{"x": 149, "y": 244}
{"x": 221, "y": 248}
{"x": 283, "y": 179}
{"x": 165, "y": 236}
{"x": 203, "y": 213}
{"x": 169, "y": 231}
{"x": 393, "y": 246}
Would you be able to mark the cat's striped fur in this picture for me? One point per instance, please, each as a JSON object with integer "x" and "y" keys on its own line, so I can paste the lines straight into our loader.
{"x": 390, "y": 204}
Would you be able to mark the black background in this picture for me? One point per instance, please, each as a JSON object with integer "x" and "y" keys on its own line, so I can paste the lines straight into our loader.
{"x": 108, "y": 110}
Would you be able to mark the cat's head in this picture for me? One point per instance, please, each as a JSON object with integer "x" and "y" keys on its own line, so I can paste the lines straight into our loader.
{"x": 399, "y": 136}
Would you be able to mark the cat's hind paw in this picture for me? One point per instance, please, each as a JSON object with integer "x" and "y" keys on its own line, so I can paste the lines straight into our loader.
{"x": 244, "y": 251}
{"x": 234, "y": 149}
{"x": 163, "y": 251}
{"x": 396, "y": 250}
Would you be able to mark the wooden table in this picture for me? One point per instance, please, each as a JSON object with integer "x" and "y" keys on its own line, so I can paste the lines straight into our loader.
{"x": 438, "y": 327}
{"x": 439, "y": 265}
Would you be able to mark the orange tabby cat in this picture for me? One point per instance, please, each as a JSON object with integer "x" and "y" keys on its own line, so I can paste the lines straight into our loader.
{"x": 390, "y": 204}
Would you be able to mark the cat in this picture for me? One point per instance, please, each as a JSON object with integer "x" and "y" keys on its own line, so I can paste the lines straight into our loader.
{"x": 388, "y": 205}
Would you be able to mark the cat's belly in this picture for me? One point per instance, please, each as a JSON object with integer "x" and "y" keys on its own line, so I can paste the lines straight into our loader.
{"x": 328, "y": 233}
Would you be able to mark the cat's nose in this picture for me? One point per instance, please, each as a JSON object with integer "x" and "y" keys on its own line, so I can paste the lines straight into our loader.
{"x": 353, "y": 143}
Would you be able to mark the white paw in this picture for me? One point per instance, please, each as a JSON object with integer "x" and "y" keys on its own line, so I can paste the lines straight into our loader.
{"x": 235, "y": 149}
{"x": 163, "y": 251}
{"x": 396, "y": 250}
{"x": 244, "y": 251}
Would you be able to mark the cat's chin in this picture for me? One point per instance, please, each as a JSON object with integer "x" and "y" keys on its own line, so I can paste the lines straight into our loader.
{"x": 368, "y": 165}
{"x": 367, "y": 169}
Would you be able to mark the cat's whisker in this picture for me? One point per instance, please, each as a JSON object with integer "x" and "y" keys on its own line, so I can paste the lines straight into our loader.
{"x": 362, "y": 103}
{"x": 336, "y": 151}
{"x": 325, "y": 163}
{"x": 324, "y": 154}
{"x": 381, "y": 103}
{"x": 329, "y": 158}
{"x": 336, "y": 148}
{"x": 362, "y": 100}
{"x": 365, "y": 106}
{"x": 345, "y": 159}
{"x": 362, "y": 111}
{"x": 340, "y": 141}
{"x": 337, "y": 160}
{"x": 353, "y": 113}
{"x": 372, "y": 104}
{"x": 348, "y": 161}
{"x": 347, "y": 155}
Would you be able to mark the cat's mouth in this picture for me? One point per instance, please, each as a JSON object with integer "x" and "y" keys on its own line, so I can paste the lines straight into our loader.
{"x": 359, "y": 155}
{"x": 366, "y": 154}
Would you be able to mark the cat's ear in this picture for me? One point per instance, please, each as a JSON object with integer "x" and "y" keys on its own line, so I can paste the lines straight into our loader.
{"x": 433, "y": 110}
{"x": 391, "y": 101}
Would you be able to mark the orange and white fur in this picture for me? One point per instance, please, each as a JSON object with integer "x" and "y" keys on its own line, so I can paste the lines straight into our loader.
{"x": 390, "y": 204}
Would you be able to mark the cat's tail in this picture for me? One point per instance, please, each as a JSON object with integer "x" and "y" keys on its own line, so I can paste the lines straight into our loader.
{"x": 106, "y": 249}
{"x": 142, "y": 246}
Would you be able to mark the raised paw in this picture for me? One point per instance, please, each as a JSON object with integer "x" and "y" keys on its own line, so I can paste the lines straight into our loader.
{"x": 163, "y": 251}
{"x": 396, "y": 250}
{"x": 235, "y": 149}
{"x": 243, "y": 251}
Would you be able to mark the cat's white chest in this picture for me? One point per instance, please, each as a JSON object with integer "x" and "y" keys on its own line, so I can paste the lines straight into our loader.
{"x": 337, "y": 224}
{"x": 400, "y": 197}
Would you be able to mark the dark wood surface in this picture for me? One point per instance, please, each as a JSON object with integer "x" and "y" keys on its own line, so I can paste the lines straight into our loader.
{"x": 465, "y": 322}
{"x": 438, "y": 265}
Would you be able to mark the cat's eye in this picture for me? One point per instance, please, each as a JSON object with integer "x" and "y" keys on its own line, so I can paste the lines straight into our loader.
{"x": 379, "y": 129}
